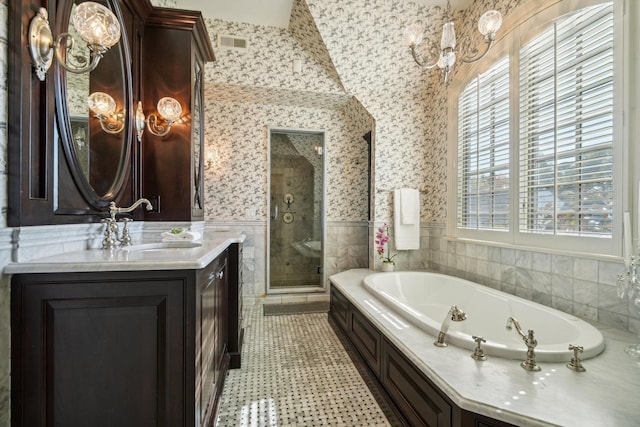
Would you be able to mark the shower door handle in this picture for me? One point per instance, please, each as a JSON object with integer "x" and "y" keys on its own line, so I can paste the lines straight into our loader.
{"x": 275, "y": 213}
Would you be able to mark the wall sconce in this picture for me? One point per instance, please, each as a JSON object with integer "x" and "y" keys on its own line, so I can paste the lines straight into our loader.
{"x": 169, "y": 110}
{"x": 95, "y": 24}
{"x": 213, "y": 158}
{"x": 488, "y": 24}
{"x": 104, "y": 108}
{"x": 318, "y": 149}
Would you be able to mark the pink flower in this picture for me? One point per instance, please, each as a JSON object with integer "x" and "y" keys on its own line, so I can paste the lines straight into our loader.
{"x": 381, "y": 239}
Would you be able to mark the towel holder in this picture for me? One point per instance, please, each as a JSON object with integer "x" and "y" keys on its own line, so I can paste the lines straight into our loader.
{"x": 384, "y": 190}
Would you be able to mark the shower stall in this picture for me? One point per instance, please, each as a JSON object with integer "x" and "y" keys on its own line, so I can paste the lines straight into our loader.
{"x": 296, "y": 204}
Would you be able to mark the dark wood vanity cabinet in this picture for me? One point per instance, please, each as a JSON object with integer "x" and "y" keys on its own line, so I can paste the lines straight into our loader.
{"x": 213, "y": 319}
{"x": 119, "y": 348}
{"x": 413, "y": 396}
{"x": 236, "y": 332}
{"x": 173, "y": 165}
{"x": 63, "y": 167}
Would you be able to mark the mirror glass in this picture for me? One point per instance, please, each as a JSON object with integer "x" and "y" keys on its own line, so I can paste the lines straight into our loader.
{"x": 97, "y": 150}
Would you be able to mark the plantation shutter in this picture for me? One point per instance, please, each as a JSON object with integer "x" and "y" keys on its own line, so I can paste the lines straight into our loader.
{"x": 483, "y": 151}
{"x": 566, "y": 127}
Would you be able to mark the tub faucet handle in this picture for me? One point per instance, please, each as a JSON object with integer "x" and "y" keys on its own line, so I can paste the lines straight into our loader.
{"x": 478, "y": 353}
{"x": 576, "y": 363}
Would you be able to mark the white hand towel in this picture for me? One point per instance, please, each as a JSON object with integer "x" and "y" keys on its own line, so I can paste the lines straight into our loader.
{"x": 410, "y": 205}
{"x": 407, "y": 236}
{"x": 185, "y": 236}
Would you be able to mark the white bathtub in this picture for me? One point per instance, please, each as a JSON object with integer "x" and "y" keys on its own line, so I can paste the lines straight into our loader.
{"x": 425, "y": 298}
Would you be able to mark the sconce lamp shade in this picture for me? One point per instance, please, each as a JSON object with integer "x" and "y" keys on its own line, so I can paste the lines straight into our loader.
{"x": 169, "y": 109}
{"x": 490, "y": 22}
{"x": 101, "y": 104}
{"x": 96, "y": 24}
{"x": 104, "y": 108}
{"x": 448, "y": 39}
{"x": 413, "y": 35}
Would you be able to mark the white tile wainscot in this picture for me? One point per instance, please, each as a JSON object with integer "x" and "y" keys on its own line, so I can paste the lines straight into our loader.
{"x": 607, "y": 394}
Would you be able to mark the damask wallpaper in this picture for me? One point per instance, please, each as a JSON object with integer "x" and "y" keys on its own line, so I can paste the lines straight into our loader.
{"x": 338, "y": 72}
{"x": 239, "y": 132}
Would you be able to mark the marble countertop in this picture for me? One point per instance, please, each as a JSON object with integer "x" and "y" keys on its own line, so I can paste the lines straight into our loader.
{"x": 141, "y": 256}
{"x": 607, "y": 394}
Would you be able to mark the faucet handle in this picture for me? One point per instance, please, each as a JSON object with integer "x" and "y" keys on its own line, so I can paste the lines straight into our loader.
{"x": 576, "y": 363}
{"x": 125, "y": 240}
{"x": 108, "y": 242}
{"x": 478, "y": 353}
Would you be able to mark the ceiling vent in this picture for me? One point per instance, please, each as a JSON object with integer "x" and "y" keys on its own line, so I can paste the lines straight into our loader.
{"x": 232, "y": 42}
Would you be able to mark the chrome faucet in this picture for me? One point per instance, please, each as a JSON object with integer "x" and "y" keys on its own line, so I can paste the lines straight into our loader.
{"x": 454, "y": 314}
{"x": 530, "y": 362}
{"x": 114, "y": 210}
{"x": 112, "y": 235}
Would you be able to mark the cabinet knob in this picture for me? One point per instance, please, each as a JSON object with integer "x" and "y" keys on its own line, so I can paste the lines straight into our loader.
{"x": 220, "y": 274}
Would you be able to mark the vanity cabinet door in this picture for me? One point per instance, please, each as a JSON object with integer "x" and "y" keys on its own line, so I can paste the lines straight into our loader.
{"x": 235, "y": 305}
{"x": 105, "y": 349}
{"x": 213, "y": 326}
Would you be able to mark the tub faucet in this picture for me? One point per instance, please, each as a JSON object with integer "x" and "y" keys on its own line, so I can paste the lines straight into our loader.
{"x": 454, "y": 314}
{"x": 530, "y": 362}
{"x": 112, "y": 236}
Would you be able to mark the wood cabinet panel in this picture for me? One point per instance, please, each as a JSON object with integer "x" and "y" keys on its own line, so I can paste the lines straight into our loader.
{"x": 79, "y": 346}
{"x": 418, "y": 400}
{"x": 145, "y": 348}
{"x": 213, "y": 350}
{"x": 84, "y": 346}
{"x": 236, "y": 331}
{"x": 367, "y": 340}
{"x": 339, "y": 308}
{"x": 172, "y": 172}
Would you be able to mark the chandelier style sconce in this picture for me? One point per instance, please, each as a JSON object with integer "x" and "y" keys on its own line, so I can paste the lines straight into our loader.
{"x": 95, "y": 24}
{"x": 212, "y": 158}
{"x": 169, "y": 110}
{"x": 488, "y": 24}
{"x": 104, "y": 108}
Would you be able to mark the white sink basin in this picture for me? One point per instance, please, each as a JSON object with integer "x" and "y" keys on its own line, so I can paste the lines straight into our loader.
{"x": 162, "y": 246}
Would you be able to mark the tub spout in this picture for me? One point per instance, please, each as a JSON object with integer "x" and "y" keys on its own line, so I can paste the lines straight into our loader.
{"x": 455, "y": 314}
{"x": 512, "y": 321}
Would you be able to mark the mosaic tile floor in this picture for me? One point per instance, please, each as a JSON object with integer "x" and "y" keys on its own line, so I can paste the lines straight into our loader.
{"x": 295, "y": 372}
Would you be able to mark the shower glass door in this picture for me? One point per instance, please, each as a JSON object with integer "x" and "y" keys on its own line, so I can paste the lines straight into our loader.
{"x": 296, "y": 204}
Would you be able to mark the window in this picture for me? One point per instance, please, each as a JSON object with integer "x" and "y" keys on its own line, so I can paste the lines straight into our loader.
{"x": 483, "y": 151}
{"x": 535, "y": 136}
{"x": 566, "y": 127}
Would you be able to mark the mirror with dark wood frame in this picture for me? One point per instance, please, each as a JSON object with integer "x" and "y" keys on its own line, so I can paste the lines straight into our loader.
{"x": 99, "y": 154}
{"x": 63, "y": 166}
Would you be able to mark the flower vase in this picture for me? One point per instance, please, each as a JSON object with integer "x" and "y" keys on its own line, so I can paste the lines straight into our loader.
{"x": 388, "y": 266}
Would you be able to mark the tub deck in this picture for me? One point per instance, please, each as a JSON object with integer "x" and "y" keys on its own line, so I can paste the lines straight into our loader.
{"x": 605, "y": 395}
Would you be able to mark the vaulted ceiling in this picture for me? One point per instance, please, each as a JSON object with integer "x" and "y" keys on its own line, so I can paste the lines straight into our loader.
{"x": 274, "y": 13}
{"x": 347, "y": 47}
